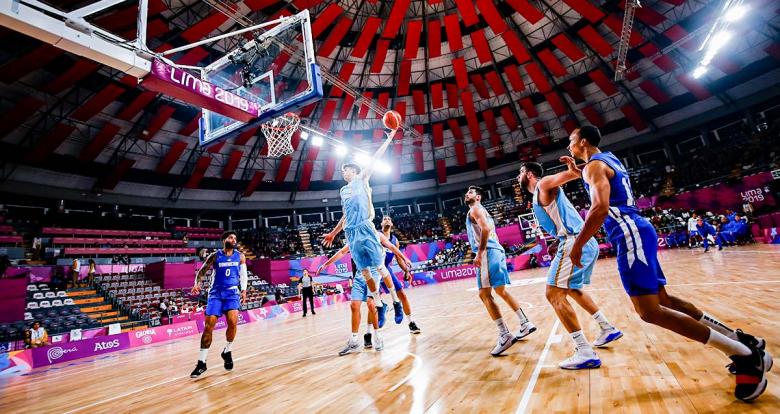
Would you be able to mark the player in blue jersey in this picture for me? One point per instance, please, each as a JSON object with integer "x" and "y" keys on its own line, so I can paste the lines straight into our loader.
{"x": 398, "y": 287}
{"x": 490, "y": 261}
{"x": 612, "y": 204}
{"x": 227, "y": 293}
{"x": 555, "y": 213}
{"x": 357, "y": 223}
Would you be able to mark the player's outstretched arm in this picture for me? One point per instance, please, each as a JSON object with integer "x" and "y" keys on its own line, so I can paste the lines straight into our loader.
{"x": 571, "y": 173}
{"x": 596, "y": 175}
{"x": 378, "y": 154}
{"x": 393, "y": 248}
{"x": 339, "y": 254}
{"x": 327, "y": 238}
{"x": 202, "y": 273}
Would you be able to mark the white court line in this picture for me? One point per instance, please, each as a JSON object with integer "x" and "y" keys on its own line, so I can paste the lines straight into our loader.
{"x": 413, "y": 372}
{"x": 232, "y": 377}
{"x": 529, "y": 388}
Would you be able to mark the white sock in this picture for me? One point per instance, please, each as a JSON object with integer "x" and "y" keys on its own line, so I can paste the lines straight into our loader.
{"x": 377, "y": 298}
{"x": 369, "y": 327}
{"x": 377, "y": 333}
{"x": 228, "y": 346}
{"x": 602, "y": 320}
{"x": 580, "y": 341}
{"x": 717, "y": 325}
{"x": 354, "y": 337}
{"x": 502, "y": 329}
{"x": 409, "y": 318}
{"x": 727, "y": 345}
{"x": 520, "y": 314}
{"x": 393, "y": 294}
{"x": 203, "y": 354}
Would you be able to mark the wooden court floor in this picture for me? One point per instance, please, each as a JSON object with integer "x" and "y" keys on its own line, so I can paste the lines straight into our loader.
{"x": 291, "y": 365}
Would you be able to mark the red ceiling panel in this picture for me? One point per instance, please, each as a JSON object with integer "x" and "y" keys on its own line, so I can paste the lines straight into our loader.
{"x": 367, "y": 33}
{"x": 139, "y": 103}
{"x": 363, "y": 113}
{"x": 570, "y": 125}
{"x": 380, "y": 54}
{"x": 216, "y": 148}
{"x": 467, "y": 11}
{"x": 528, "y": 107}
{"x": 299, "y": 4}
{"x": 398, "y": 149}
{"x": 474, "y": 130}
{"x": 344, "y": 74}
{"x": 452, "y": 27}
{"x": 305, "y": 181}
{"x": 653, "y": 91}
{"x": 586, "y": 9}
{"x": 555, "y": 103}
{"x": 79, "y": 70}
{"x": 696, "y": 88}
{"x": 509, "y": 118}
{"x": 395, "y": 19}
{"x": 468, "y": 105}
{"x": 253, "y": 183}
{"x": 552, "y": 63}
{"x": 295, "y": 139}
{"x": 438, "y": 134}
{"x": 434, "y": 38}
{"x": 346, "y": 106}
{"x": 461, "y": 74}
{"x": 493, "y": 18}
{"x": 593, "y": 116}
{"x": 452, "y": 96}
{"x": 18, "y": 113}
{"x": 419, "y": 164}
{"x": 49, "y": 143}
{"x": 616, "y": 25}
{"x": 23, "y": 65}
{"x": 173, "y": 155}
{"x": 527, "y": 10}
{"x": 325, "y": 19}
{"x": 202, "y": 28}
{"x": 441, "y": 171}
{"x": 513, "y": 74}
{"x": 334, "y": 38}
{"x": 603, "y": 82}
{"x": 198, "y": 172}
{"x": 725, "y": 64}
{"x": 120, "y": 169}
{"x": 161, "y": 116}
{"x": 649, "y": 49}
{"x": 541, "y": 130}
{"x": 256, "y": 5}
{"x": 418, "y": 99}
{"x": 283, "y": 169}
{"x": 573, "y": 91}
{"x": 99, "y": 142}
{"x": 383, "y": 99}
{"x": 413, "y": 32}
{"x": 99, "y": 101}
{"x": 452, "y": 123}
{"x": 490, "y": 121}
{"x": 632, "y": 114}
{"x": 594, "y": 39}
{"x": 519, "y": 52}
{"x": 400, "y": 107}
{"x": 232, "y": 164}
{"x": 481, "y": 45}
{"x": 404, "y": 77}
{"x": 330, "y": 169}
{"x": 537, "y": 76}
{"x": 437, "y": 97}
{"x": 567, "y": 46}
{"x": 665, "y": 63}
{"x": 494, "y": 79}
{"x": 481, "y": 157}
{"x": 246, "y": 135}
{"x": 191, "y": 126}
{"x": 460, "y": 153}
{"x": 479, "y": 85}
{"x": 327, "y": 114}
{"x": 648, "y": 15}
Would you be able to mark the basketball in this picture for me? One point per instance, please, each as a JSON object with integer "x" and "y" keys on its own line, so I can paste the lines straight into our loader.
{"x": 392, "y": 120}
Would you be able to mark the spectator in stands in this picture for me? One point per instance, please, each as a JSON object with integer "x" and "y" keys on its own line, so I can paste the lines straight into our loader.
{"x": 75, "y": 268}
{"x": 5, "y": 263}
{"x": 38, "y": 335}
{"x": 747, "y": 208}
{"x": 173, "y": 309}
{"x": 91, "y": 272}
{"x": 278, "y": 295}
{"x": 164, "y": 308}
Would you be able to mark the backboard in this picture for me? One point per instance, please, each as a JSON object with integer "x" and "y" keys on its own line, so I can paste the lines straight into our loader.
{"x": 275, "y": 69}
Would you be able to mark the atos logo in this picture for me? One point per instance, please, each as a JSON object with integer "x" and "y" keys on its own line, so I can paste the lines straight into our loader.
{"x": 102, "y": 346}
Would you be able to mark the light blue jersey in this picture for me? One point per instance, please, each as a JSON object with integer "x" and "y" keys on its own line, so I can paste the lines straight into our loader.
{"x": 475, "y": 233}
{"x": 356, "y": 202}
{"x": 559, "y": 218}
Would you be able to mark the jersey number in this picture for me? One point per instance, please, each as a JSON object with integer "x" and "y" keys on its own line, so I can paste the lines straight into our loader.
{"x": 227, "y": 272}
{"x": 629, "y": 193}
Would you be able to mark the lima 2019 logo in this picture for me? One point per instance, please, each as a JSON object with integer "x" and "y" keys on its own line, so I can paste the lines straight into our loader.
{"x": 58, "y": 352}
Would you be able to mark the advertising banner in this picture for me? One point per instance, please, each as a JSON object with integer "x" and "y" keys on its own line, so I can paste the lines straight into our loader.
{"x": 79, "y": 349}
{"x": 162, "y": 333}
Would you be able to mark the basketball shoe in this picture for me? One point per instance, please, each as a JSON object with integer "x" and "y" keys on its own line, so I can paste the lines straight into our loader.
{"x": 582, "y": 359}
{"x": 751, "y": 373}
{"x": 525, "y": 330}
{"x": 381, "y": 311}
{"x": 399, "y": 312}
{"x": 199, "y": 369}
{"x": 750, "y": 341}
{"x": 366, "y": 340}
{"x": 228, "y": 358}
{"x": 379, "y": 343}
{"x": 413, "y": 328}
{"x": 607, "y": 335}
{"x": 504, "y": 342}
{"x": 352, "y": 346}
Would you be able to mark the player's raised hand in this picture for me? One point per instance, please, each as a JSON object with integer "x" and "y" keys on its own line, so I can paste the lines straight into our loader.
{"x": 195, "y": 290}
{"x": 571, "y": 164}
{"x": 327, "y": 239}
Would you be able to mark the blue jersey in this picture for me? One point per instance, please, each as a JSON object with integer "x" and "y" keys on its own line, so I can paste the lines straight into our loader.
{"x": 621, "y": 198}
{"x": 389, "y": 255}
{"x": 356, "y": 202}
{"x": 475, "y": 233}
{"x": 226, "y": 270}
{"x": 559, "y": 218}
{"x": 706, "y": 229}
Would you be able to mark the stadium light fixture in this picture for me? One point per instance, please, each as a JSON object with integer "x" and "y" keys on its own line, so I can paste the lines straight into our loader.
{"x": 736, "y": 13}
{"x": 341, "y": 150}
{"x": 699, "y": 71}
{"x": 718, "y": 34}
{"x": 304, "y": 135}
{"x": 317, "y": 140}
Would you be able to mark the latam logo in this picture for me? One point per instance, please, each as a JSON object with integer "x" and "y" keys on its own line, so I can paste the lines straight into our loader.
{"x": 57, "y": 352}
{"x": 185, "y": 330}
{"x": 459, "y": 273}
{"x": 102, "y": 346}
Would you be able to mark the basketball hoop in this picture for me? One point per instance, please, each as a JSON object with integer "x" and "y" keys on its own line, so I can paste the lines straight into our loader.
{"x": 278, "y": 132}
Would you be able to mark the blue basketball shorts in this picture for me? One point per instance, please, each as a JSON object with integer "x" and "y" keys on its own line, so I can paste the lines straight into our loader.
{"x": 396, "y": 283}
{"x": 637, "y": 255}
{"x": 563, "y": 273}
{"x": 364, "y": 246}
{"x": 221, "y": 301}
{"x": 493, "y": 272}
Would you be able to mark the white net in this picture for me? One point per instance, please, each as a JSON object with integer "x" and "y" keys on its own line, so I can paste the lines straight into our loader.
{"x": 278, "y": 132}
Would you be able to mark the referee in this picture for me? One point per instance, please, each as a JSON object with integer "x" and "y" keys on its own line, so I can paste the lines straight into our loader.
{"x": 307, "y": 291}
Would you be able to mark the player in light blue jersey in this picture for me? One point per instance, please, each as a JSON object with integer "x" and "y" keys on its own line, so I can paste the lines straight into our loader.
{"x": 226, "y": 294}
{"x": 558, "y": 217}
{"x": 492, "y": 274}
{"x": 612, "y": 203}
{"x": 367, "y": 252}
